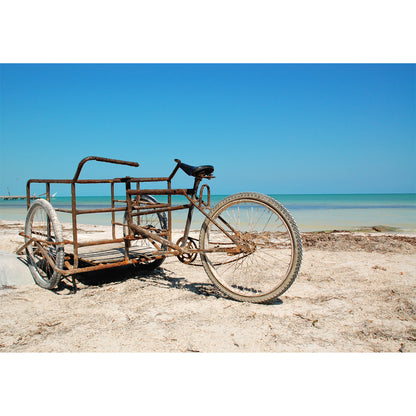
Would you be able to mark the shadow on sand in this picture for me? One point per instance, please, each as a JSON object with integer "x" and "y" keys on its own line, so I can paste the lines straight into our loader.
{"x": 158, "y": 277}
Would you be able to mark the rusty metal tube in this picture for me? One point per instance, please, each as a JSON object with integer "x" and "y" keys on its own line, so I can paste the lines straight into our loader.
{"x": 169, "y": 183}
{"x": 201, "y": 196}
{"x": 190, "y": 211}
{"x": 113, "y": 215}
{"x": 110, "y": 265}
{"x": 157, "y": 210}
{"x": 153, "y": 236}
{"x": 174, "y": 170}
{"x": 149, "y": 179}
{"x": 101, "y": 159}
{"x": 99, "y": 210}
{"x": 149, "y": 205}
{"x": 99, "y": 242}
{"x": 28, "y": 194}
{"x": 115, "y": 180}
{"x": 158, "y": 192}
{"x": 74, "y": 225}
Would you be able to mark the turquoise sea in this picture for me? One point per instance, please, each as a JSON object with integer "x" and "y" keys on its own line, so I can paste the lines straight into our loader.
{"x": 311, "y": 212}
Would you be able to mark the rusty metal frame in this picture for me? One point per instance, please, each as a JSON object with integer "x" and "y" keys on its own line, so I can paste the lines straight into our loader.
{"x": 135, "y": 230}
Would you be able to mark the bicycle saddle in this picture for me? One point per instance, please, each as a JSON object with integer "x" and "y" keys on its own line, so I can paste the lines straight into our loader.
{"x": 204, "y": 170}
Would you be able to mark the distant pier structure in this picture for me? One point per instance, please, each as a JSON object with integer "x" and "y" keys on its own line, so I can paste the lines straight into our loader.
{"x": 20, "y": 197}
{"x": 12, "y": 197}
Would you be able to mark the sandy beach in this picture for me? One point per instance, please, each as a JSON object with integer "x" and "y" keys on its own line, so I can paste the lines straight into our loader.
{"x": 356, "y": 292}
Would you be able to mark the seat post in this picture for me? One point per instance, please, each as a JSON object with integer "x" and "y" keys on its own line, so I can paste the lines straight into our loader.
{"x": 197, "y": 181}
{"x": 191, "y": 209}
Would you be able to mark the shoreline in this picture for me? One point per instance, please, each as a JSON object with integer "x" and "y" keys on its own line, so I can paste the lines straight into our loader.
{"x": 311, "y": 212}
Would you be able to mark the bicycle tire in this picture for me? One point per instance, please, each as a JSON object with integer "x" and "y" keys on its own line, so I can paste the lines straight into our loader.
{"x": 42, "y": 222}
{"x": 273, "y": 255}
{"x": 158, "y": 219}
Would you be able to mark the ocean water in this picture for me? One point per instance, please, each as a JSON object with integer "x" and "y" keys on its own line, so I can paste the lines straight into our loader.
{"x": 311, "y": 212}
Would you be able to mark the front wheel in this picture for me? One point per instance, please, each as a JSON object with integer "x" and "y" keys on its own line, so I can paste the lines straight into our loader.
{"x": 261, "y": 256}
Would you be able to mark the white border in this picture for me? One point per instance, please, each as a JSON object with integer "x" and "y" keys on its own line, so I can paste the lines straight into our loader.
{"x": 226, "y": 31}
{"x": 206, "y": 384}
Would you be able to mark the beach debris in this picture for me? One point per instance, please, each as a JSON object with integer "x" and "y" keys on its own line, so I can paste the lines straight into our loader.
{"x": 251, "y": 316}
{"x": 352, "y": 241}
{"x": 4, "y": 287}
{"x": 376, "y": 267}
{"x": 50, "y": 324}
{"x": 314, "y": 321}
{"x": 384, "y": 228}
{"x": 192, "y": 350}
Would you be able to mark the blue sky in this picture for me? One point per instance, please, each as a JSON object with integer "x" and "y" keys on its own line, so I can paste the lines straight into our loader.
{"x": 272, "y": 128}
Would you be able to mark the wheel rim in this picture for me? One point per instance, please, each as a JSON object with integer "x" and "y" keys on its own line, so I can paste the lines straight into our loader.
{"x": 42, "y": 228}
{"x": 268, "y": 254}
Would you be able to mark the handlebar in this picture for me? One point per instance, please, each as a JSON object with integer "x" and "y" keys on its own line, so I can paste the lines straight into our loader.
{"x": 101, "y": 159}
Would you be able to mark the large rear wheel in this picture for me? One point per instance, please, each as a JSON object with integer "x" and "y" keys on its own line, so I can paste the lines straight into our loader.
{"x": 46, "y": 251}
{"x": 261, "y": 256}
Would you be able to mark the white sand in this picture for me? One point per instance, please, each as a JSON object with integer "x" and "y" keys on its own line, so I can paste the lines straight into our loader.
{"x": 355, "y": 293}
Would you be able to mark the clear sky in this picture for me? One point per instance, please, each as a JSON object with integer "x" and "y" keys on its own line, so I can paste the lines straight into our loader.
{"x": 272, "y": 128}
